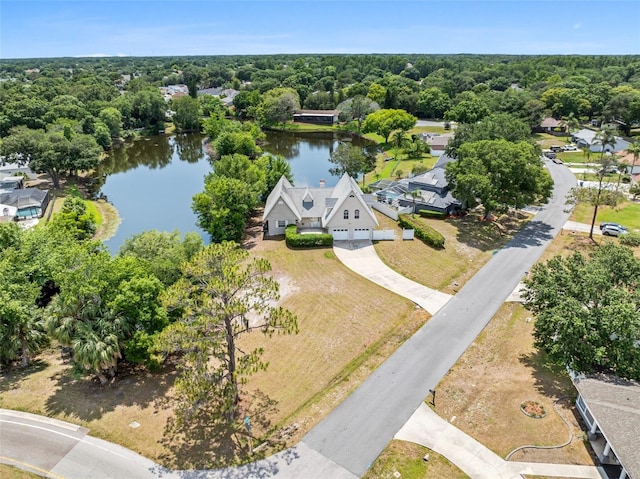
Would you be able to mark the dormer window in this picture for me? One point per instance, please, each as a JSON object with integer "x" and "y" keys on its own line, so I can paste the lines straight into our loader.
{"x": 356, "y": 214}
{"x": 345, "y": 214}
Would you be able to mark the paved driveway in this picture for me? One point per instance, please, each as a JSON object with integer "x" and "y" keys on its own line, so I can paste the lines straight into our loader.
{"x": 361, "y": 257}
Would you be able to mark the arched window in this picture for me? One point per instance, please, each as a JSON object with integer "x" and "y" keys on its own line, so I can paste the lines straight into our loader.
{"x": 356, "y": 214}
{"x": 346, "y": 214}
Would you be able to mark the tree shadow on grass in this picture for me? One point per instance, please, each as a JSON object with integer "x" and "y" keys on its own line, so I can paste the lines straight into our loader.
{"x": 475, "y": 234}
{"x": 205, "y": 440}
{"x": 490, "y": 235}
{"x": 10, "y": 378}
{"x": 87, "y": 400}
{"x": 551, "y": 379}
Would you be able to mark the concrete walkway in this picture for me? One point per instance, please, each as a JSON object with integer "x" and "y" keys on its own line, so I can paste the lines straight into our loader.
{"x": 361, "y": 257}
{"x": 582, "y": 227}
{"x": 428, "y": 429}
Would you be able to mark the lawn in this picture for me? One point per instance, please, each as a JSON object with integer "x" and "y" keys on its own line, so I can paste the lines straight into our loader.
{"x": 482, "y": 392}
{"x": 627, "y": 214}
{"x": 576, "y": 157}
{"x": 469, "y": 244}
{"x": 348, "y": 326}
{"x": 406, "y": 459}
{"x": 546, "y": 140}
{"x": 8, "y": 472}
{"x": 428, "y": 129}
{"x": 391, "y": 168}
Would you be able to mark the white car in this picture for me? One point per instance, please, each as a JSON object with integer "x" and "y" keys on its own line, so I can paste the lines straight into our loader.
{"x": 570, "y": 148}
{"x": 613, "y": 230}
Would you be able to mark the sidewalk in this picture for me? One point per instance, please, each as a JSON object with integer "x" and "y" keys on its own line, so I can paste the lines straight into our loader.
{"x": 361, "y": 257}
{"x": 428, "y": 429}
{"x": 582, "y": 227}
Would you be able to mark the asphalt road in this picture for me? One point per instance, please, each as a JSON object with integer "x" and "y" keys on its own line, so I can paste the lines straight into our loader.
{"x": 355, "y": 433}
{"x": 61, "y": 450}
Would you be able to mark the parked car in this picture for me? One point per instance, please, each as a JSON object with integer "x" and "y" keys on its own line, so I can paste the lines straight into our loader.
{"x": 608, "y": 223}
{"x": 550, "y": 154}
{"x": 611, "y": 230}
{"x": 557, "y": 161}
{"x": 570, "y": 148}
{"x": 555, "y": 148}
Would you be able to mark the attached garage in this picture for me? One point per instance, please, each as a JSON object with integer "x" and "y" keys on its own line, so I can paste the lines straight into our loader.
{"x": 340, "y": 234}
{"x": 361, "y": 233}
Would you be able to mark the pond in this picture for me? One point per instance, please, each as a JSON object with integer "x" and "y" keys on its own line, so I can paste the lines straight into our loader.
{"x": 151, "y": 181}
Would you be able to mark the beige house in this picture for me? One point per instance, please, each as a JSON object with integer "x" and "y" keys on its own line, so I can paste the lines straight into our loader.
{"x": 342, "y": 211}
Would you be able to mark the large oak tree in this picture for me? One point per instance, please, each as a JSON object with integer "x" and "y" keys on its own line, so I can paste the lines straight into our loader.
{"x": 588, "y": 310}
{"x": 499, "y": 175}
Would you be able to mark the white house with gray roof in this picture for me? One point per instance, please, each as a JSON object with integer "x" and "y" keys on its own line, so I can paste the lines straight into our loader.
{"x": 610, "y": 407}
{"x": 586, "y": 138}
{"x": 342, "y": 211}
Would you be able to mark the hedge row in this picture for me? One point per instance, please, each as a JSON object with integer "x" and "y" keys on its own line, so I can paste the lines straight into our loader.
{"x": 432, "y": 214}
{"x": 424, "y": 232}
{"x": 294, "y": 240}
{"x": 630, "y": 239}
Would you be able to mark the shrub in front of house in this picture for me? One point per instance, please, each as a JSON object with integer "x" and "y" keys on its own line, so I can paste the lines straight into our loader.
{"x": 438, "y": 215}
{"x": 424, "y": 232}
{"x": 630, "y": 239}
{"x": 295, "y": 240}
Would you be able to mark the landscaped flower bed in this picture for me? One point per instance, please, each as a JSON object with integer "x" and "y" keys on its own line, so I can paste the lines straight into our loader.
{"x": 533, "y": 409}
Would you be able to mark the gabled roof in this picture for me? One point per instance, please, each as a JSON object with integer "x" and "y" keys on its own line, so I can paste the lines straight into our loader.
{"x": 307, "y": 197}
{"x": 316, "y": 202}
{"x": 615, "y": 405}
{"x": 342, "y": 191}
{"x": 280, "y": 192}
{"x": 585, "y": 134}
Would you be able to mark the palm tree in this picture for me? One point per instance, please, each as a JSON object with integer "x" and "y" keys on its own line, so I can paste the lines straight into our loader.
{"x": 415, "y": 194}
{"x": 398, "y": 139}
{"x": 573, "y": 123}
{"x": 604, "y": 137}
{"x": 634, "y": 149}
{"x": 96, "y": 348}
{"x": 94, "y": 333}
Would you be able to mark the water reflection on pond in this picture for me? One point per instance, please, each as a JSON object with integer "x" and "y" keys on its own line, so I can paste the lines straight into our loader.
{"x": 151, "y": 181}
{"x": 308, "y": 153}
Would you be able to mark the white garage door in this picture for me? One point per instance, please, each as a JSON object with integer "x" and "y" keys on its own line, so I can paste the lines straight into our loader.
{"x": 361, "y": 233}
{"x": 340, "y": 235}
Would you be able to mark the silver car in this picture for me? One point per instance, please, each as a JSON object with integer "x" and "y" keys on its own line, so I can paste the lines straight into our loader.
{"x": 613, "y": 230}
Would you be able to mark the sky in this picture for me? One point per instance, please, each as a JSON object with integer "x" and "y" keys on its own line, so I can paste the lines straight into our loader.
{"x": 42, "y": 29}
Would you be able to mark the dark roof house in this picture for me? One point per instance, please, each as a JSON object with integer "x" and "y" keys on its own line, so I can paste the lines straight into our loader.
{"x": 319, "y": 117}
{"x": 550, "y": 125}
{"x": 426, "y": 192}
